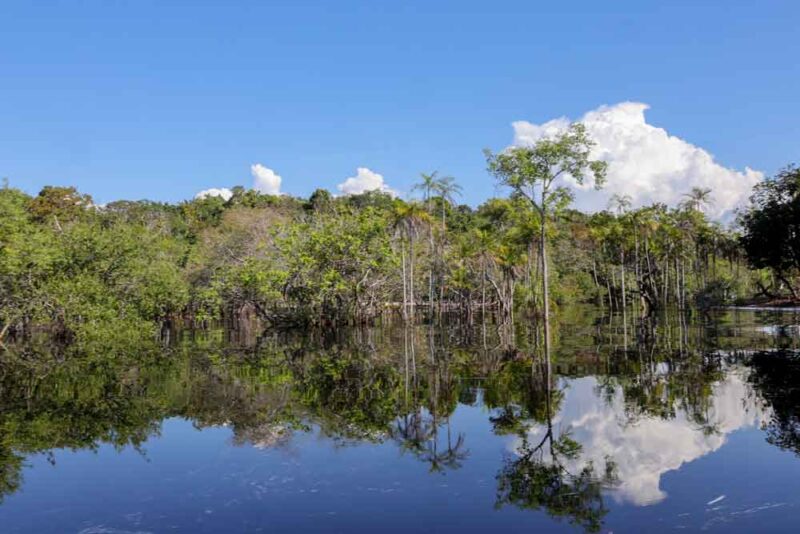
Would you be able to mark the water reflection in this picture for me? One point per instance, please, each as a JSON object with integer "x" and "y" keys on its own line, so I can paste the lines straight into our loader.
{"x": 617, "y": 405}
{"x": 644, "y": 448}
{"x": 545, "y": 470}
{"x": 775, "y": 375}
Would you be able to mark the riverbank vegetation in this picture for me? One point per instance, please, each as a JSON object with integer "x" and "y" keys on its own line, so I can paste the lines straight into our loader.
{"x": 100, "y": 274}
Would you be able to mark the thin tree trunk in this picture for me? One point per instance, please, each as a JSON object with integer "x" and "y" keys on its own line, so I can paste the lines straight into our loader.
{"x": 441, "y": 255}
{"x": 545, "y": 281}
{"x": 430, "y": 287}
{"x": 654, "y": 284}
{"x": 638, "y": 270}
{"x": 622, "y": 275}
{"x": 683, "y": 283}
{"x": 405, "y": 280}
{"x": 599, "y": 298}
{"x": 614, "y": 285}
{"x": 483, "y": 288}
{"x": 411, "y": 273}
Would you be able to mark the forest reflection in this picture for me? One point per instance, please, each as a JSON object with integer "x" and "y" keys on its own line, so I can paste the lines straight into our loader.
{"x": 604, "y": 416}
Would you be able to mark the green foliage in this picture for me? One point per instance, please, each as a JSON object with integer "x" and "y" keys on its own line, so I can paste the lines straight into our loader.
{"x": 85, "y": 272}
{"x": 771, "y": 226}
{"x": 94, "y": 278}
{"x": 531, "y": 172}
{"x": 59, "y": 205}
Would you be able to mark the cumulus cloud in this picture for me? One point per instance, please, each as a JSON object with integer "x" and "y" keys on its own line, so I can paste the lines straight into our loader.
{"x": 223, "y": 192}
{"x": 265, "y": 180}
{"x": 364, "y": 180}
{"x": 645, "y": 161}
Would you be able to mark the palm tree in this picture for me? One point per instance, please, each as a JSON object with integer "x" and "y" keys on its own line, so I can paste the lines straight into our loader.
{"x": 619, "y": 203}
{"x": 427, "y": 186}
{"x": 698, "y": 198}
{"x": 409, "y": 219}
{"x": 448, "y": 189}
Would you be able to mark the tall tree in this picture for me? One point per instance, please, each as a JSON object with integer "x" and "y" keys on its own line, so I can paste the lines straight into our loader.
{"x": 410, "y": 218}
{"x": 448, "y": 189}
{"x": 698, "y": 198}
{"x": 531, "y": 172}
{"x": 428, "y": 185}
{"x": 621, "y": 204}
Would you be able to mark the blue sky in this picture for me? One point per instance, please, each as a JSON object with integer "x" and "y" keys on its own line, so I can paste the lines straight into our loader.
{"x": 160, "y": 100}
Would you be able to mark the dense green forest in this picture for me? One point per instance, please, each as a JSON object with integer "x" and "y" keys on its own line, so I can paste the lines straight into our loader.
{"x": 99, "y": 274}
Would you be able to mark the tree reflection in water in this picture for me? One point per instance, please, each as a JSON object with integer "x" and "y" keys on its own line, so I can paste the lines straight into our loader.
{"x": 776, "y": 376}
{"x": 535, "y": 476}
{"x": 403, "y": 385}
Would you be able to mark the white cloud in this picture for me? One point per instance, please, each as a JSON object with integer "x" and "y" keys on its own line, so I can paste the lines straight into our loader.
{"x": 364, "y": 180}
{"x": 223, "y": 192}
{"x": 265, "y": 180}
{"x": 646, "y": 162}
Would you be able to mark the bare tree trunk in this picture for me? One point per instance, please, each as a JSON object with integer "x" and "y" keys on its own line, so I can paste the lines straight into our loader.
{"x": 537, "y": 266}
{"x": 614, "y": 286}
{"x": 545, "y": 282}
{"x": 653, "y": 281}
{"x": 430, "y": 287}
{"x": 411, "y": 273}
{"x": 622, "y": 275}
{"x": 599, "y": 298}
{"x": 483, "y": 288}
{"x": 638, "y": 270}
{"x": 405, "y": 280}
{"x": 431, "y": 267}
{"x": 441, "y": 255}
{"x": 683, "y": 283}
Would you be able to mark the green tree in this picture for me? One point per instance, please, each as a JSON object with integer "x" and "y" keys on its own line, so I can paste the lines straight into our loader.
{"x": 531, "y": 172}
{"x": 57, "y": 205}
{"x": 771, "y": 227}
{"x": 698, "y": 198}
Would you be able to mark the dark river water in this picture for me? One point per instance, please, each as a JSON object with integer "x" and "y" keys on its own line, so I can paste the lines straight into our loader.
{"x": 677, "y": 423}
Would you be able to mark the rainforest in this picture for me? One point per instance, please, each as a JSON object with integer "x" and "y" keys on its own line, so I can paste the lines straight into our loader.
{"x": 324, "y": 364}
{"x": 93, "y": 275}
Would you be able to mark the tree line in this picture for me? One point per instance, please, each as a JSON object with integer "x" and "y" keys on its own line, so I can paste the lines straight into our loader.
{"x": 86, "y": 273}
